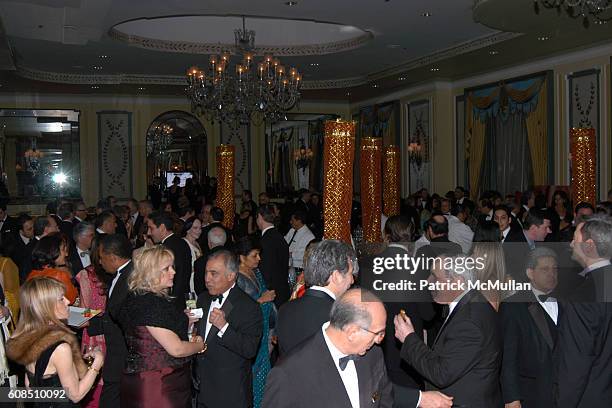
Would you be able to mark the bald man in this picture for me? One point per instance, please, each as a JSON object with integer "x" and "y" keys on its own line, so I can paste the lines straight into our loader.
{"x": 338, "y": 366}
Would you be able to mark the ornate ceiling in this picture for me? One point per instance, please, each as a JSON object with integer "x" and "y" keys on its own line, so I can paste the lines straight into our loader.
{"x": 348, "y": 49}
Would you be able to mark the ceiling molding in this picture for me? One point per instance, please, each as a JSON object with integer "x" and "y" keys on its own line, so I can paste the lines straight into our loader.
{"x": 403, "y": 94}
{"x": 141, "y": 79}
{"x": 462, "y": 48}
{"x": 207, "y": 48}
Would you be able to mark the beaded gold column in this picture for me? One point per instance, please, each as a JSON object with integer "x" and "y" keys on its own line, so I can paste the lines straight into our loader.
{"x": 225, "y": 183}
{"x": 391, "y": 175}
{"x": 371, "y": 186}
{"x": 584, "y": 164}
{"x": 338, "y": 156}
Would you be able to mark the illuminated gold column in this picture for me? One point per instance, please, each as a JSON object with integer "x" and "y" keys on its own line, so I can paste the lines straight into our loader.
{"x": 338, "y": 156}
{"x": 225, "y": 183}
{"x": 371, "y": 186}
{"x": 584, "y": 164}
{"x": 391, "y": 174}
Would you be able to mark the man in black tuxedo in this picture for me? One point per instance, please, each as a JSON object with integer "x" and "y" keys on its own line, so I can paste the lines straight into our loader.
{"x": 337, "y": 367}
{"x": 517, "y": 246}
{"x": 417, "y": 304}
{"x": 65, "y": 212}
{"x": 80, "y": 212}
{"x": 465, "y": 359}
{"x": 328, "y": 273}
{"x": 106, "y": 223}
{"x": 529, "y": 327}
{"x": 80, "y": 257}
{"x": 115, "y": 254}
{"x": 232, "y": 330}
{"x": 274, "y": 264}
{"x": 22, "y": 244}
{"x": 160, "y": 230}
{"x": 584, "y": 347}
{"x": 461, "y": 197}
{"x": 7, "y": 224}
{"x": 216, "y": 220}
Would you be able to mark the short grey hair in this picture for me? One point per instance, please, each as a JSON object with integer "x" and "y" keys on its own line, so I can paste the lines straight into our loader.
{"x": 230, "y": 261}
{"x": 598, "y": 227}
{"x": 216, "y": 237}
{"x": 346, "y": 311}
{"x": 325, "y": 258}
{"x": 454, "y": 267}
{"x": 536, "y": 254}
{"x": 81, "y": 228}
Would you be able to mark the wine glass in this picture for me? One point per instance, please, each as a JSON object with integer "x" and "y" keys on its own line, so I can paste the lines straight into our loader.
{"x": 89, "y": 358}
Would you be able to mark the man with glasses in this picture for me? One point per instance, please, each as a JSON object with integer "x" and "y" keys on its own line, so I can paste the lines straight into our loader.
{"x": 337, "y": 367}
{"x": 465, "y": 359}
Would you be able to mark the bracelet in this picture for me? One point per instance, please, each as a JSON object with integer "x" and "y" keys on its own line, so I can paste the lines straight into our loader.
{"x": 203, "y": 348}
{"x": 94, "y": 370}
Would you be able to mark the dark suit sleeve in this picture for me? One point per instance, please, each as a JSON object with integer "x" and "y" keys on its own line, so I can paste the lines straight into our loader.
{"x": 576, "y": 352}
{"x": 243, "y": 337}
{"x": 278, "y": 392}
{"x": 510, "y": 383}
{"x": 447, "y": 364}
{"x": 386, "y": 390}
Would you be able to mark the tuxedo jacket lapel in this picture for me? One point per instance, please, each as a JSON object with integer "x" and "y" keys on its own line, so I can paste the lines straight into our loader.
{"x": 537, "y": 313}
{"x": 465, "y": 299}
{"x": 369, "y": 394}
{"x": 331, "y": 384}
{"x": 226, "y": 308}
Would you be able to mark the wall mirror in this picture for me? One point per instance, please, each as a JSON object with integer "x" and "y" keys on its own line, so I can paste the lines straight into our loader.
{"x": 39, "y": 156}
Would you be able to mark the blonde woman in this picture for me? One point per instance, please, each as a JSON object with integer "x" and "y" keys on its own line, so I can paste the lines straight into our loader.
{"x": 157, "y": 365}
{"x": 47, "y": 348}
{"x": 492, "y": 255}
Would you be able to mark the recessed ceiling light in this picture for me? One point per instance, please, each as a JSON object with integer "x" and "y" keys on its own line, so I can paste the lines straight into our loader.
{"x": 141, "y": 88}
{"x": 97, "y": 67}
{"x": 314, "y": 64}
{"x": 401, "y": 78}
{"x": 95, "y": 87}
{"x": 290, "y": 3}
{"x": 103, "y": 56}
{"x": 348, "y": 94}
{"x": 493, "y": 52}
{"x": 375, "y": 86}
{"x": 543, "y": 38}
{"x": 435, "y": 69}
{"x": 601, "y": 22}
{"x": 426, "y": 14}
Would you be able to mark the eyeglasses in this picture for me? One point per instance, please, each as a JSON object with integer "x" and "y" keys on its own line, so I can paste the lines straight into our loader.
{"x": 377, "y": 334}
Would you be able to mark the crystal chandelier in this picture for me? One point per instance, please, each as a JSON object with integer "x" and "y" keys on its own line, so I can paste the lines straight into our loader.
{"x": 159, "y": 140}
{"x": 247, "y": 92}
{"x": 415, "y": 153}
{"x": 302, "y": 156}
{"x": 585, "y": 9}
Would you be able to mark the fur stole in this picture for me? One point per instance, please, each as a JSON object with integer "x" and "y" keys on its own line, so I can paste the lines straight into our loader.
{"x": 28, "y": 347}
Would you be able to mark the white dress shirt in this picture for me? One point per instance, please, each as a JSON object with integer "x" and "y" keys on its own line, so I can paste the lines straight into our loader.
{"x": 454, "y": 304}
{"x": 216, "y": 304}
{"x": 550, "y": 306}
{"x": 349, "y": 374}
{"x": 505, "y": 233}
{"x": 596, "y": 265}
{"x": 265, "y": 229}
{"x": 116, "y": 278}
{"x": 325, "y": 290}
{"x": 85, "y": 259}
{"x": 164, "y": 240}
{"x": 297, "y": 245}
{"x": 25, "y": 240}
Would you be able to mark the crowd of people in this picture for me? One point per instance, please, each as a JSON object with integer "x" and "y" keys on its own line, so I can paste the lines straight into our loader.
{"x": 190, "y": 313}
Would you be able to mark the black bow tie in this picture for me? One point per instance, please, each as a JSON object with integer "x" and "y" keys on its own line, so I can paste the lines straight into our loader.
{"x": 544, "y": 298}
{"x": 219, "y": 298}
{"x": 84, "y": 254}
{"x": 344, "y": 360}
